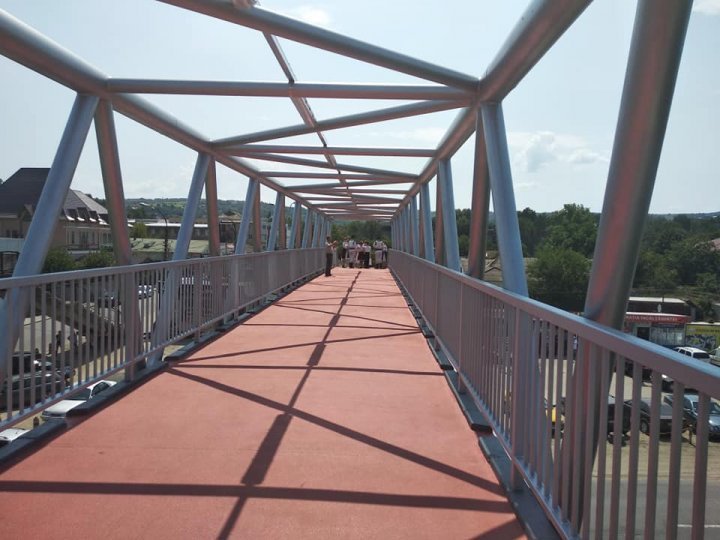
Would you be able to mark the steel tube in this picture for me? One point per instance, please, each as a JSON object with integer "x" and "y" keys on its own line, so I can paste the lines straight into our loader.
{"x": 257, "y": 223}
{"x": 415, "y": 226}
{"x": 307, "y": 229}
{"x": 182, "y": 244}
{"x": 391, "y": 113}
{"x": 295, "y": 30}
{"x": 112, "y": 182}
{"x": 241, "y": 240}
{"x": 653, "y": 63}
{"x": 292, "y": 241}
{"x": 480, "y": 205}
{"x": 542, "y": 24}
{"x": 339, "y": 150}
{"x": 439, "y": 234}
{"x": 213, "y": 214}
{"x": 284, "y": 90}
{"x": 279, "y": 199}
{"x": 338, "y": 166}
{"x": 429, "y": 250}
{"x": 45, "y": 219}
{"x": 445, "y": 184}
{"x": 506, "y": 221}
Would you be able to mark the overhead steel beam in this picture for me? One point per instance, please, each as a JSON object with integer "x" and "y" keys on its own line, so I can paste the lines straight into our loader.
{"x": 325, "y": 176}
{"x": 370, "y": 117}
{"x": 320, "y": 187}
{"x": 339, "y": 166}
{"x": 273, "y": 23}
{"x": 339, "y": 150}
{"x": 24, "y": 45}
{"x": 285, "y": 90}
{"x": 542, "y": 24}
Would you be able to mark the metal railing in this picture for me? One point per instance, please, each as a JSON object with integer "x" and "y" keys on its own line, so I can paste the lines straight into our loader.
{"x": 535, "y": 372}
{"x": 82, "y": 326}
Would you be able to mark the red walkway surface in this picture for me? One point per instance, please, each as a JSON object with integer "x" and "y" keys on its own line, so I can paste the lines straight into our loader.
{"x": 324, "y": 416}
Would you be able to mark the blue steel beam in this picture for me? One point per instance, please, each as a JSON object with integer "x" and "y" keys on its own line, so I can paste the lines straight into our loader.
{"x": 307, "y": 231}
{"x": 242, "y": 235}
{"x": 279, "y": 200}
{"x": 45, "y": 219}
{"x": 415, "y": 226}
{"x": 480, "y": 210}
{"x": 506, "y": 221}
{"x": 445, "y": 183}
{"x": 295, "y": 227}
{"x": 429, "y": 249}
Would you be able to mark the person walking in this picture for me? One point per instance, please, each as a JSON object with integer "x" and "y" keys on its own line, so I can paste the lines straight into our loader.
{"x": 329, "y": 252}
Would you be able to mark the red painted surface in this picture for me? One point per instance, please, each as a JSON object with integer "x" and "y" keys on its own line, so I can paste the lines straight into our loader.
{"x": 324, "y": 416}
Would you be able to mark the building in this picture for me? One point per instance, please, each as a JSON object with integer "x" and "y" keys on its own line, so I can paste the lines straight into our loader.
{"x": 82, "y": 225}
{"x": 660, "y": 320}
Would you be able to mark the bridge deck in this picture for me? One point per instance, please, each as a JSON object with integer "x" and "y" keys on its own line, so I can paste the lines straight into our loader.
{"x": 324, "y": 416}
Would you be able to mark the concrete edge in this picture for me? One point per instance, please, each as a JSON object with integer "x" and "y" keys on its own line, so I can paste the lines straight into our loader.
{"x": 526, "y": 507}
{"x": 475, "y": 419}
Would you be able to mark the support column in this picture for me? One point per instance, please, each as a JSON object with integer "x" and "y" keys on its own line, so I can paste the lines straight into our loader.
{"x": 427, "y": 223}
{"x": 250, "y": 195}
{"x": 316, "y": 231}
{"x": 415, "y": 226}
{"x": 45, "y": 219}
{"x": 307, "y": 230}
{"x": 506, "y": 221}
{"x": 213, "y": 214}
{"x": 655, "y": 52}
{"x": 439, "y": 234}
{"x": 282, "y": 229}
{"x": 403, "y": 230}
{"x": 115, "y": 197}
{"x": 480, "y": 205}
{"x": 182, "y": 244}
{"x": 112, "y": 182}
{"x": 653, "y": 63}
{"x": 257, "y": 224}
{"x": 445, "y": 183}
{"x": 293, "y": 242}
{"x": 279, "y": 200}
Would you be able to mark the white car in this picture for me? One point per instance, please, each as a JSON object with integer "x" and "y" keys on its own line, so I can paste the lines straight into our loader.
{"x": 60, "y": 409}
{"x": 9, "y": 435}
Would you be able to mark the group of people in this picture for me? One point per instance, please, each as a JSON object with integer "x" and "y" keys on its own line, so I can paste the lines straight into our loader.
{"x": 356, "y": 254}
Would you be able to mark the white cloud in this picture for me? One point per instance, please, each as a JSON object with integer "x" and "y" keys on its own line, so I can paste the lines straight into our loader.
{"x": 310, "y": 14}
{"x": 532, "y": 151}
{"x": 707, "y": 7}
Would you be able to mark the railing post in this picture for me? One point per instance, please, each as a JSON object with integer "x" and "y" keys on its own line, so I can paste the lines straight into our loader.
{"x": 519, "y": 389}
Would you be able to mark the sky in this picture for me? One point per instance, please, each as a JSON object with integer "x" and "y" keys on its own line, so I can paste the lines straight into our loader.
{"x": 560, "y": 119}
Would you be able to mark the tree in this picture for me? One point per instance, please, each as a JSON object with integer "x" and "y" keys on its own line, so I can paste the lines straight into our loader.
{"x": 574, "y": 228}
{"x": 139, "y": 230}
{"x": 689, "y": 258}
{"x": 98, "y": 259}
{"x": 532, "y": 229}
{"x": 58, "y": 260}
{"x": 559, "y": 277}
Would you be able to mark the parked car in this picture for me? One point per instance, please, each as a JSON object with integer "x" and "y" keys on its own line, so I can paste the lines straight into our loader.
{"x": 690, "y": 412}
{"x": 29, "y": 361}
{"x": 26, "y": 384}
{"x": 692, "y": 352}
{"x": 9, "y": 435}
{"x": 60, "y": 410}
{"x": 145, "y": 291}
{"x": 610, "y": 418}
{"x": 715, "y": 356}
{"x": 645, "y": 420}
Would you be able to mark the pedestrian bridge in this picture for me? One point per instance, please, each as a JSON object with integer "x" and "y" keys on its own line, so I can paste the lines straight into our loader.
{"x": 249, "y": 407}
